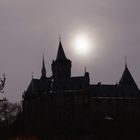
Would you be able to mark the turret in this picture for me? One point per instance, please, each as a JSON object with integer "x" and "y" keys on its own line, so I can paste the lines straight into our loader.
{"x": 43, "y": 70}
{"x": 127, "y": 78}
{"x": 86, "y": 75}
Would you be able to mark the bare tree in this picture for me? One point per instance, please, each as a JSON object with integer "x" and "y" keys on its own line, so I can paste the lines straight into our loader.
{"x": 8, "y": 112}
{"x": 2, "y": 83}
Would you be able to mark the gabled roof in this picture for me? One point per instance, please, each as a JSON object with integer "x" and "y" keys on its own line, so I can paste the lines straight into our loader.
{"x": 37, "y": 86}
{"x": 60, "y": 53}
{"x": 127, "y": 78}
{"x": 33, "y": 86}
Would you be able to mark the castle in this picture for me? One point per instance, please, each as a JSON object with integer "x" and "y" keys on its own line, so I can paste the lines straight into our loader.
{"x": 52, "y": 105}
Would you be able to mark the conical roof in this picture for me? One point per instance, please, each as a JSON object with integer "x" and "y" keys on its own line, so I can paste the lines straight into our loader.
{"x": 127, "y": 78}
{"x": 60, "y": 53}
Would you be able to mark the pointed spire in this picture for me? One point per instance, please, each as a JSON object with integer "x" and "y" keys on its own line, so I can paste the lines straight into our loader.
{"x": 60, "y": 53}
{"x": 59, "y": 38}
{"x": 127, "y": 78}
{"x": 43, "y": 71}
{"x": 125, "y": 62}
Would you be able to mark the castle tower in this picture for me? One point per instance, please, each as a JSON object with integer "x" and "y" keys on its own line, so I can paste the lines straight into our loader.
{"x": 61, "y": 67}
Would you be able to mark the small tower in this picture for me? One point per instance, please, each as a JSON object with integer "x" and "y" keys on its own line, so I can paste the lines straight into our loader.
{"x": 61, "y": 67}
{"x": 127, "y": 78}
{"x": 86, "y": 75}
{"x": 43, "y": 70}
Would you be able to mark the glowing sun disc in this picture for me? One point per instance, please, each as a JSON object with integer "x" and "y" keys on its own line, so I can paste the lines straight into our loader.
{"x": 82, "y": 45}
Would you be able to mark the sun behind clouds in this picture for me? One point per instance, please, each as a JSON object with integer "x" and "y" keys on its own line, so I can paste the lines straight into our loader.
{"x": 82, "y": 44}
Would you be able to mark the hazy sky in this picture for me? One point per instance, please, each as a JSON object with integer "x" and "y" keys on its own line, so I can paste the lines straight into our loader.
{"x": 30, "y": 27}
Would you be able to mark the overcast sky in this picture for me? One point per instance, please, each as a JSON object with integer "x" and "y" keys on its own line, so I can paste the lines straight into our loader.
{"x": 30, "y": 27}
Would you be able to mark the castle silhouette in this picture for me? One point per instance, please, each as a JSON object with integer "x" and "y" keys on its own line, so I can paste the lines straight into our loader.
{"x": 64, "y": 104}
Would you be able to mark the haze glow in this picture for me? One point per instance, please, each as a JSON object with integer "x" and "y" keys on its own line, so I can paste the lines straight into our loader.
{"x": 82, "y": 45}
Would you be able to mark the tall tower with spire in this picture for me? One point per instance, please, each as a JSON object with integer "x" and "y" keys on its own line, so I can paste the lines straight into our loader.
{"x": 43, "y": 70}
{"x": 61, "y": 67}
